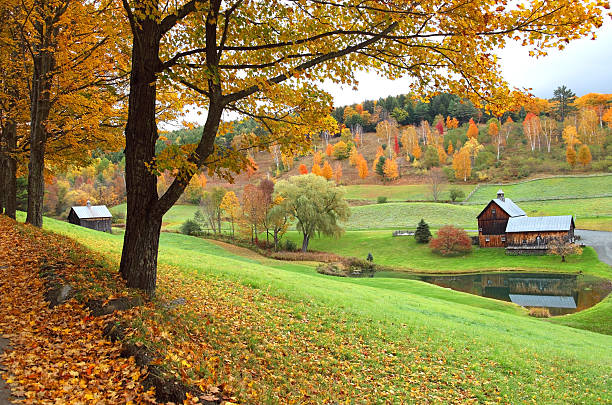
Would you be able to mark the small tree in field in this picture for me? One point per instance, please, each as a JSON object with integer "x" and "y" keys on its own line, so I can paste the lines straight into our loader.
{"x": 451, "y": 241}
{"x": 303, "y": 169}
{"x": 316, "y": 204}
{"x": 456, "y": 194}
{"x": 562, "y": 247}
{"x": 422, "y": 233}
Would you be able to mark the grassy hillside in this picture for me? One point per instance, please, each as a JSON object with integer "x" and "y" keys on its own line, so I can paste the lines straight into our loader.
{"x": 411, "y": 192}
{"x": 554, "y": 188}
{"x": 404, "y": 252}
{"x": 284, "y": 333}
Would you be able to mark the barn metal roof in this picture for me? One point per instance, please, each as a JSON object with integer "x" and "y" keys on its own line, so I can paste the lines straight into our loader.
{"x": 92, "y": 211}
{"x": 539, "y": 224}
{"x": 508, "y": 206}
{"x": 550, "y": 301}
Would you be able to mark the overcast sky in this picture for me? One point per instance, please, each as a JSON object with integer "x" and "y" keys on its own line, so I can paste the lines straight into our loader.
{"x": 585, "y": 66}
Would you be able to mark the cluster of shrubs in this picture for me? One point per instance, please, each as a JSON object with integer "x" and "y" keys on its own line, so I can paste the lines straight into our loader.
{"x": 450, "y": 240}
{"x": 348, "y": 267}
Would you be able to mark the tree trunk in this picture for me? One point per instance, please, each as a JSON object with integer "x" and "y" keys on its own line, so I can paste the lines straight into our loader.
{"x": 10, "y": 171}
{"x": 3, "y": 170}
{"x": 40, "y": 108}
{"x": 305, "y": 243}
{"x": 141, "y": 241}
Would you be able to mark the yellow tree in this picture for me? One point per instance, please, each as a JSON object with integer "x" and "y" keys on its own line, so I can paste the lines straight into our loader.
{"x": 78, "y": 65}
{"x": 390, "y": 169}
{"x": 607, "y": 117}
{"x": 570, "y": 155}
{"x": 584, "y": 155}
{"x": 266, "y": 60}
{"x": 231, "y": 207}
{"x": 362, "y": 167}
{"x": 329, "y": 150}
{"x": 588, "y": 127}
{"x": 570, "y": 136}
{"x": 338, "y": 173}
{"x": 462, "y": 164}
{"x": 416, "y": 151}
{"x": 442, "y": 156}
{"x": 409, "y": 139}
{"x": 327, "y": 171}
{"x": 596, "y": 102}
{"x": 316, "y": 169}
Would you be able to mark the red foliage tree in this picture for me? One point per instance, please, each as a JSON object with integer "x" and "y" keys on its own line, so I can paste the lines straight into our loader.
{"x": 440, "y": 127}
{"x": 303, "y": 169}
{"x": 396, "y": 147}
{"x": 450, "y": 241}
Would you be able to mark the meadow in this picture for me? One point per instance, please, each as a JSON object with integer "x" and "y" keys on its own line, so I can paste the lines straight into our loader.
{"x": 281, "y": 332}
{"x": 402, "y": 252}
{"x": 404, "y": 192}
{"x": 548, "y": 188}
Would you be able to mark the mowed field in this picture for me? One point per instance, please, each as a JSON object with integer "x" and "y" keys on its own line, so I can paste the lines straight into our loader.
{"x": 553, "y": 188}
{"x": 410, "y": 192}
{"x": 281, "y": 333}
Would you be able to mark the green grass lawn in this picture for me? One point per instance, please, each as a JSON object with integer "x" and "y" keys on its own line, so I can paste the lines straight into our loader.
{"x": 404, "y": 252}
{"x": 409, "y": 192}
{"x": 554, "y": 187}
{"x": 287, "y": 334}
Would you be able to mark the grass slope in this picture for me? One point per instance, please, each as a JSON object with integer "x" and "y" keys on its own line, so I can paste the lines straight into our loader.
{"x": 407, "y": 215}
{"x": 597, "y": 319}
{"x": 293, "y": 335}
{"x": 554, "y": 187}
{"x": 411, "y": 192}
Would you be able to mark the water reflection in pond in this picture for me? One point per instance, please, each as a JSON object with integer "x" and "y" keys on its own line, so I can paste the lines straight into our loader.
{"x": 560, "y": 293}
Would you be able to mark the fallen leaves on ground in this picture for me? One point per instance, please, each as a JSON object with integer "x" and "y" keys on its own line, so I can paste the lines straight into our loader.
{"x": 57, "y": 355}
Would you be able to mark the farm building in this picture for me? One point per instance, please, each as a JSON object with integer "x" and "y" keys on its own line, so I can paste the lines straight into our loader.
{"x": 502, "y": 223}
{"x": 96, "y": 217}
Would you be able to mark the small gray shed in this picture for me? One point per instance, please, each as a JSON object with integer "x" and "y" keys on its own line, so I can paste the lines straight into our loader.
{"x": 96, "y": 217}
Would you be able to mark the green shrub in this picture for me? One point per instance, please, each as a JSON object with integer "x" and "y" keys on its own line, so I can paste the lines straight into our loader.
{"x": 290, "y": 246}
{"x": 456, "y": 194}
{"x": 191, "y": 227}
{"x": 422, "y": 233}
{"x": 381, "y": 199}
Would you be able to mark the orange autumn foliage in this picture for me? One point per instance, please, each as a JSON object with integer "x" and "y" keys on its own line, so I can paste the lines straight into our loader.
{"x": 327, "y": 171}
{"x": 303, "y": 169}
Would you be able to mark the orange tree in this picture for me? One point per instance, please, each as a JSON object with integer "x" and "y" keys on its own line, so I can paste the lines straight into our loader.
{"x": 265, "y": 60}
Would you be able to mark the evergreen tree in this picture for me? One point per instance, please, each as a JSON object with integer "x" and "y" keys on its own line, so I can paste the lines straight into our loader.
{"x": 380, "y": 166}
{"x": 422, "y": 234}
{"x": 565, "y": 99}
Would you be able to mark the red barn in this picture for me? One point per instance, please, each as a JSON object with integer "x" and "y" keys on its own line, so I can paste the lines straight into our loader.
{"x": 492, "y": 221}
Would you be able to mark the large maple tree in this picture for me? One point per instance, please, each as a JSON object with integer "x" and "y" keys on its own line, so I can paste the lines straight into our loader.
{"x": 265, "y": 60}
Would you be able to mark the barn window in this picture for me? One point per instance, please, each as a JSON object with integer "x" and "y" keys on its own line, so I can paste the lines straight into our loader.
{"x": 479, "y": 229}
{"x": 503, "y": 238}
{"x": 493, "y": 211}
{"x": 487, "y": 240}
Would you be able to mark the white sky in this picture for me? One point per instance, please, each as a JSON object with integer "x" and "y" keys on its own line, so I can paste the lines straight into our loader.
{"x": 584, "y": 66}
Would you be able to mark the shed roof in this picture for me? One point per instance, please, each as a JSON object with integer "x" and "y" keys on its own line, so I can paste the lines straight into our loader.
{"x": 550, "y": 301}
{"x": 92, "y": 211}
{"x": 508, "y": 206}
{"x": 539, "y": 224}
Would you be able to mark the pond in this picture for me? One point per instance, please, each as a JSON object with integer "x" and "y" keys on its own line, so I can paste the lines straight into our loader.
{"x": 560, "y": 293}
